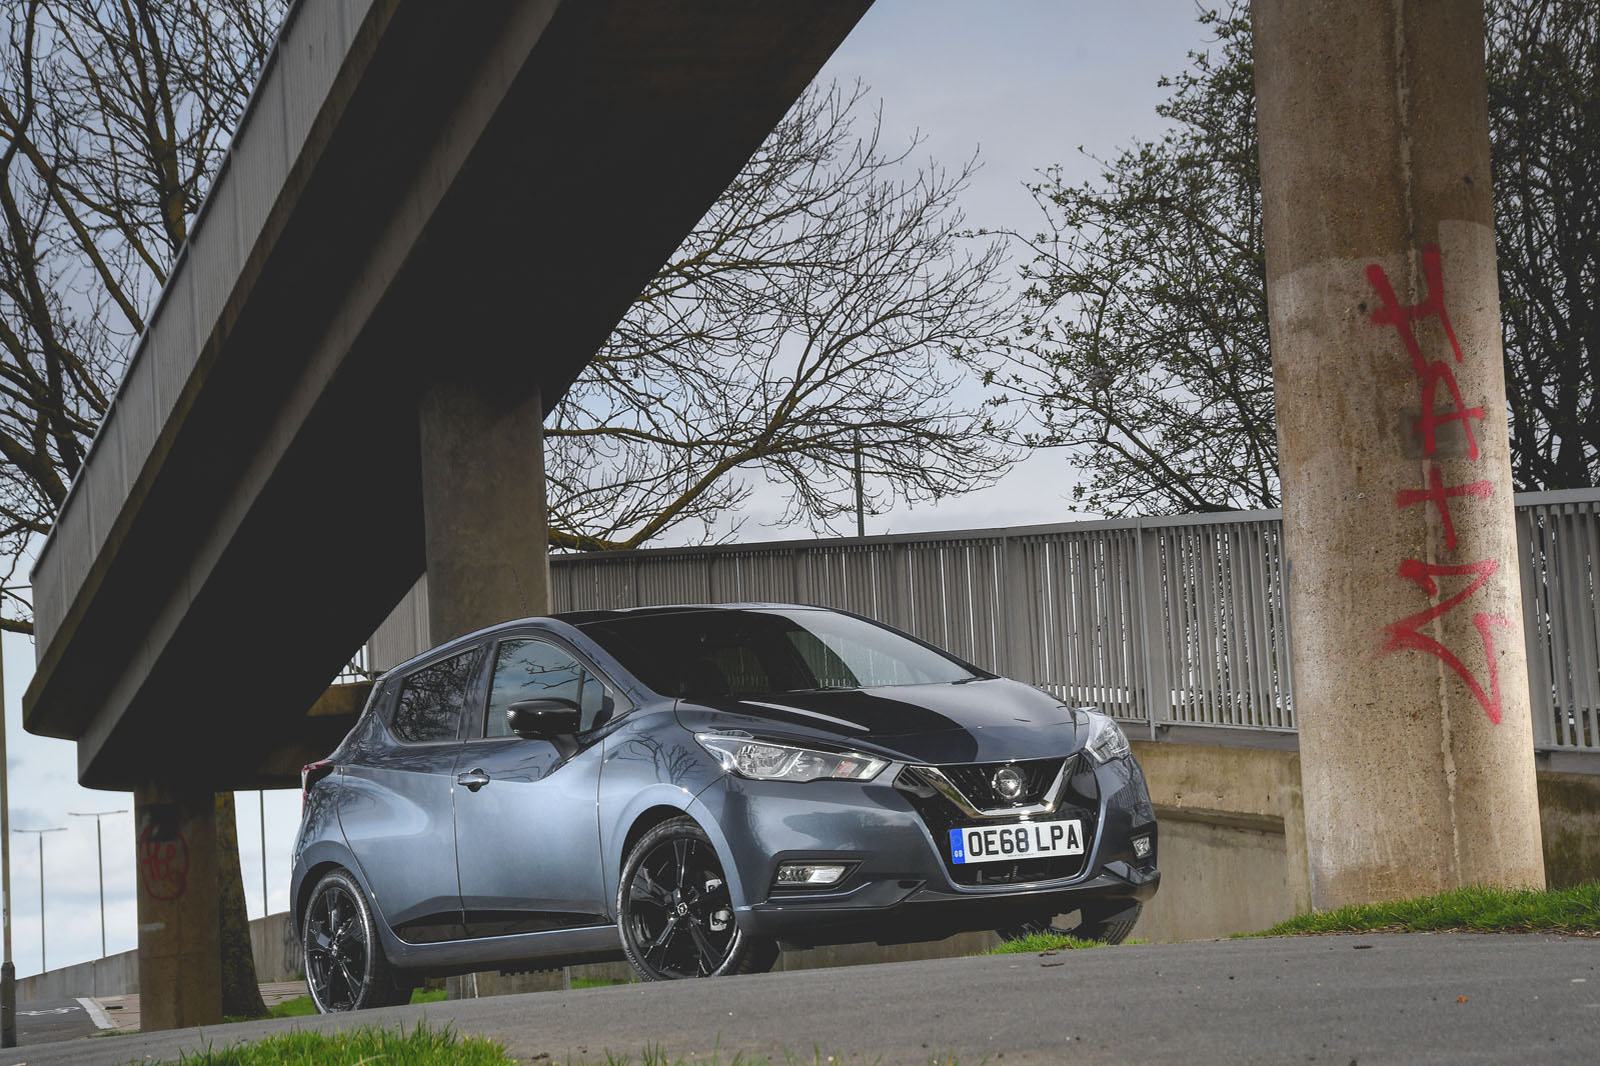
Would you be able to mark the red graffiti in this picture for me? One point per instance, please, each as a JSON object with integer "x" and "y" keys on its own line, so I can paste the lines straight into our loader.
{"x": 163, "y": 863}
{"x": 1429, "y": 373}
{"x": 1404, "y": 633}
{"x": 1439, "y": 494}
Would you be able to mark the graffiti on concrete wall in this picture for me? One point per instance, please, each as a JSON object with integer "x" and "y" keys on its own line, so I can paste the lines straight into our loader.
{"x": 163, "y": 853}
{"x": 1436, "y": 382}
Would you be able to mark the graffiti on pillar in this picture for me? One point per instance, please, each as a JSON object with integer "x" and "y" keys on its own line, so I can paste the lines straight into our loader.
{"x": 1434, "y": 374}
{"x": 163, "y": 854}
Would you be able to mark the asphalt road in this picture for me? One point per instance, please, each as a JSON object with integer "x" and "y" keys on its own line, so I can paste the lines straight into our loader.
{"x": 1367, "y": 1000}
{"x": 47, "y": 1021}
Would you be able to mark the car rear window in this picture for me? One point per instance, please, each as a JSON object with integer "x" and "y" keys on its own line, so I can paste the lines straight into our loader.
{"x": 712, "y": 654}
{"x": 432, "y": 699}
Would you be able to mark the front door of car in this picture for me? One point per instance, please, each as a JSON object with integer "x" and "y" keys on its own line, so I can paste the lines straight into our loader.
{"x": 527, "y": 832}
{"x": 397, "y": 808}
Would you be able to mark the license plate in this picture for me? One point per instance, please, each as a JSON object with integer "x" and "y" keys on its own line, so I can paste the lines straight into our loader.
{"x": 1025, "y": 840}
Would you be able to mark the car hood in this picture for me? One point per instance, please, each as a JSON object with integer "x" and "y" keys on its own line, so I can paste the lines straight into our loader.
{"x": 988, "y": 720}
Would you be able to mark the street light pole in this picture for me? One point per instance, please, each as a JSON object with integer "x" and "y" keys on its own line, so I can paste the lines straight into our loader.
{"x": 100, "y": 853}
{"x": 41, "y": 832}
{"x": 8, "y": 970}
{"x": 261, "y": 797}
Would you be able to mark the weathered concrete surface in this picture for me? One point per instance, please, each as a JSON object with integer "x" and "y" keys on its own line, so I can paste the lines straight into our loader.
{"x": 1569, "y": 811}
{"x": 1410, "y": 672}
{"x": 483, "y": 506}
{"x": 180, "y": 955}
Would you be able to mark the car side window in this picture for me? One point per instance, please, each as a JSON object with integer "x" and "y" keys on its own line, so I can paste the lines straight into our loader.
{"x": 530, "y": 669}
{"x": 432, "y": 700}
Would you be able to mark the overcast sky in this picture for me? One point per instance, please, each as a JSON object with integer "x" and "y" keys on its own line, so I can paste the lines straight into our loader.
{"x": 1025, "y": 82}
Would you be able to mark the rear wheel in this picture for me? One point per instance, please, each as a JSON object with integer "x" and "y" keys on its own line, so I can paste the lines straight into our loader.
{"x": 345, "y": 965}
{"x": 1109, "y": 923}
{"x": 675, "y": 912}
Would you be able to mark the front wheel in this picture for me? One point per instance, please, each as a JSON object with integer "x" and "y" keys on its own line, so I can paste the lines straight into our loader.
{"x": 345, "y": 966}
{"x": 675, "y": 912}
{"x": 1108, "y": 923}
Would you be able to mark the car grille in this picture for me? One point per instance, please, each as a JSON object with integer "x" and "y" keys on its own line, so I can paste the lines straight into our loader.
{"x": 1080, "y": 799}
{"x": 976, "y": 781}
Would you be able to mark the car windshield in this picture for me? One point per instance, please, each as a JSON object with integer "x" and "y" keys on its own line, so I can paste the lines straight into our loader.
{"x": 717, "y": 654}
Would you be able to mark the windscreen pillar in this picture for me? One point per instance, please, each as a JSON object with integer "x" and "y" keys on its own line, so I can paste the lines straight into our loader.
{"x": 180, "y": 955}
{"x": 1410, "y": 675}
{"x": 483, "y": 505}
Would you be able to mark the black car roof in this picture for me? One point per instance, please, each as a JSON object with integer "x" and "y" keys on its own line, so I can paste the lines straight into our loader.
{"x": 579, "y": 619}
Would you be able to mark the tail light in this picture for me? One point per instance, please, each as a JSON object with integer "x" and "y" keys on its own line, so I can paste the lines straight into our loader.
{"x": 310, "y": 774}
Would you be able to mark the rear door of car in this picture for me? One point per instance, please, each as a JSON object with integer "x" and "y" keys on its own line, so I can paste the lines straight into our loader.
{"x": 397, "y": 805}
{"x": 527, "y": 831}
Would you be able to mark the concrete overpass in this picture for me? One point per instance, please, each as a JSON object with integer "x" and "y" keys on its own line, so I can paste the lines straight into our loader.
{"x": 420, "y": 194}
{"x": 433, "y": 214}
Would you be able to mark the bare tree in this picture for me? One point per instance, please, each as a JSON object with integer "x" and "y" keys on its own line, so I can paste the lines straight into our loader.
{"x": 1146, "y": 347}
{"x": 1145, "y": 351}
{"x": 113, "y": 117}
{"x": 824, "y": 309}
{"x": 1544, "y": 126}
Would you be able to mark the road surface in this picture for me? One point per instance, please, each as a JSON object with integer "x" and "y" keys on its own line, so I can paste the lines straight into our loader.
{"x": 1368, "y": 1000}
{"x": 51, "y": 1020}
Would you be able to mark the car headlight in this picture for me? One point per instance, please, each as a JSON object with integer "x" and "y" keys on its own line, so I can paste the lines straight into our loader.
{"x": 1107, "y": 741}
{"x": 763, "y": 760}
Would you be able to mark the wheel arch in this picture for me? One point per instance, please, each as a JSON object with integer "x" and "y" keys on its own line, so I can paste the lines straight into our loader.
{"x": 650, "y": 808}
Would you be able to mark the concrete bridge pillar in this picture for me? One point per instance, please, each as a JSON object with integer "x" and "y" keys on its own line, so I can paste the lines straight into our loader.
{"x": 1410, "y": 675}
{"x": 180, "y": 955}
{"x": 483, "y": 504}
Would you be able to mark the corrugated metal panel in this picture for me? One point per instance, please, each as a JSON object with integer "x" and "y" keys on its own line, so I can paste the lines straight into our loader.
{"x": 260, "y": 162}
{"x": 49, "y": 601}
{"x": 172, "y": 342}
{"x": 105, "y": 488}
{"x": 136, "y": 410}
{"x": 1165, "y": 621}
{"x": 72, "y": 530}
{"x": 214, "y": 258}
{"x": 308, "y": 59}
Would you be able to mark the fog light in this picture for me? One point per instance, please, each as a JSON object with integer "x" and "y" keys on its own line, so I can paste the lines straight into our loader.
{"x": 797, "y": 874}
{"x": 1141, "y": 847}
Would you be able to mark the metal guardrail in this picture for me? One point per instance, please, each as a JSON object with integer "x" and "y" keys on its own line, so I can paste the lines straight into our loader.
{"x": 1160, "y": 621}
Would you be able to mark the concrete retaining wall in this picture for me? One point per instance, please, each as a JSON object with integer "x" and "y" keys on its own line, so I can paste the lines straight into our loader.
{"x": 276, "y": 950}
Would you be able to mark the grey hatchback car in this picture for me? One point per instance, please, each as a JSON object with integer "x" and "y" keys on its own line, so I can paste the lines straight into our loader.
{"x": 689, "y": 788}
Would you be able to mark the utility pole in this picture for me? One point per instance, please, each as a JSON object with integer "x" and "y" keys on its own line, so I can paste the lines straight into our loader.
{"x": 8, "y": 970}
{"x": 101, "y": 855}
{"x": 262, "y": 797}
{"x": 861, "y": 496}
{"x": 41, "y": 832}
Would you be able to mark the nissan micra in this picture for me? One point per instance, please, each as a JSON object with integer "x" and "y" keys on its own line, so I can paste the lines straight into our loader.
{"x": 689, "y": 788}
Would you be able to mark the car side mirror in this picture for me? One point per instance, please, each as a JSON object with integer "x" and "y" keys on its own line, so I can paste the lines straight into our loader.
{"x": 544, "y": 719}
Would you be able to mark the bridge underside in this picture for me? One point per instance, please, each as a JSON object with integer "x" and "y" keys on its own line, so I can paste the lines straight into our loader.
{"x": 482, "y": 193}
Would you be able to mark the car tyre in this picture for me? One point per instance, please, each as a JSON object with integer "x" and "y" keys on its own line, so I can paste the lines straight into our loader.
{"x": 675, "y": 913}
{"x": 1108, "y": 923}
{"x": 345, "y": 966}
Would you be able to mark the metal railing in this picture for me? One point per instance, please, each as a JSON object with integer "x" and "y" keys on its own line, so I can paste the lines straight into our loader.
{"x": 1159, "y": 621}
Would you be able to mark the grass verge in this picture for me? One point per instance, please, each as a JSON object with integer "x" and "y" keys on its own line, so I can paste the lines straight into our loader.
{"x": 1037, "y": 942}
{"x": 1472, "y": 909}
{"x": 421, "y": 1046}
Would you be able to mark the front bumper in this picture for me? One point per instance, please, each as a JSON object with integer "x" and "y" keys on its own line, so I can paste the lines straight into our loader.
{"x": 902, "y": 886}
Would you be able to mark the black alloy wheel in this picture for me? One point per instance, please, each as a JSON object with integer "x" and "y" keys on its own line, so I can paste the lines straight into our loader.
{"x": 1109, "y": 923}
{"x": 675, "y": 912}
{"x": 345, "y": 966}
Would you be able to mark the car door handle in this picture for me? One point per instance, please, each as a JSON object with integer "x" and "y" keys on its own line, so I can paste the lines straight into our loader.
{"x": 474, "y": 779}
